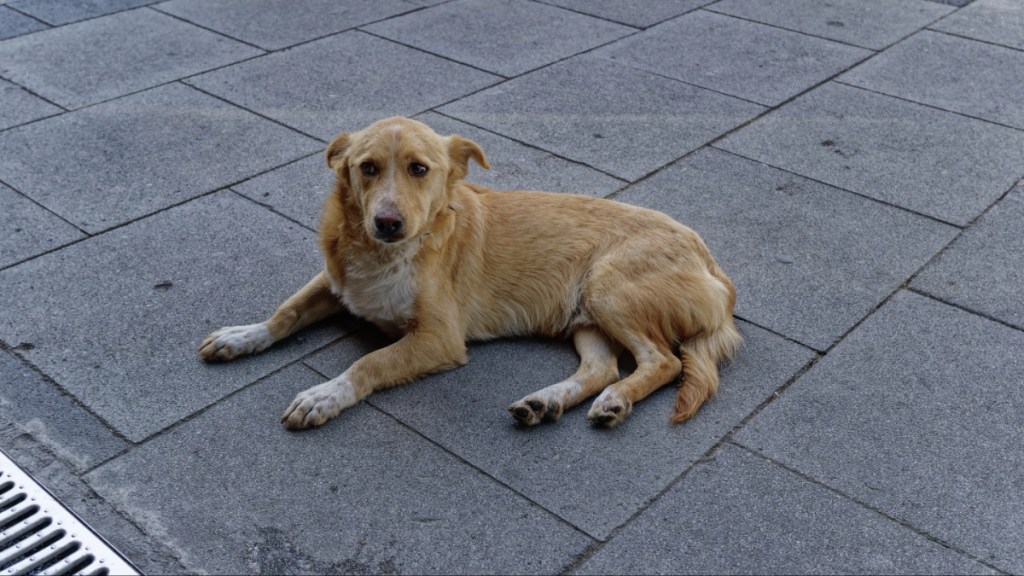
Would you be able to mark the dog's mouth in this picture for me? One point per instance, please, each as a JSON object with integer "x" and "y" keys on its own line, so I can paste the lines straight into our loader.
{"x": 387, "y": 238}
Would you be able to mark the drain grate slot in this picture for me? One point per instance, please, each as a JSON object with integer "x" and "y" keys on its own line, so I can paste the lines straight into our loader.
{"x": 38, "y": 535}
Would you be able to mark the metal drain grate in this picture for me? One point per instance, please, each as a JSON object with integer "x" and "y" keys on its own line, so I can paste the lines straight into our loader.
{"x": 38, "y": 535}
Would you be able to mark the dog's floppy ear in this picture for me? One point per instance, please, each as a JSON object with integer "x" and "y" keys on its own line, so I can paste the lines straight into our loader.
{"x": 460, "y": 150}
{"x": 336, "y": 151}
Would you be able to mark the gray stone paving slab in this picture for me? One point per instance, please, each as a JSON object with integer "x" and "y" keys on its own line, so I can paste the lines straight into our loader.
{"x": 53, "y": 418}
{"x": 297, "y": 190}
{"x": 998, "y": 21}
{"x": 343, "y": 82}
{"x": 944, "y": 71}
{"x": 872, "y": 24}
{"x": 984, "y": 269}
{"x": 625, "y": 110}
{"x": 276, "y": 24}
{"x": 59, "y": 12}
{"x": 808, "y": 260}
{"x": 107, "y": 57}
{"x": 148, "y": 554}
{"x": 236, "y": 493}
{"x": 640, "y": 14}
{"x": 14, "y": 23}
{"x": 920, "y": 414}
{"x": 506, "y": 37}
{"x": 740, "y": 514}
{"x": 18, "y": 106}
{"x": 934, "y": 162}
{"x": 116, "y": 320}
{"x": 737, "y": 57}
{"x": 107, "y": 164}
{"x": 515, "y": 166}
{"x": 27, "y": 229}
{"x": 594, "y": 478}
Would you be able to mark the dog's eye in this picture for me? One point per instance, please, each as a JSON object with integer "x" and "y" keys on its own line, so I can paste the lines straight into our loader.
{"x": 368, "y": 169}
{"x": 417, "y": 169}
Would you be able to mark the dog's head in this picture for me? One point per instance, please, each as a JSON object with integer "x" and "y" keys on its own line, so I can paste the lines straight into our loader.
{"x": 400, "y": 174}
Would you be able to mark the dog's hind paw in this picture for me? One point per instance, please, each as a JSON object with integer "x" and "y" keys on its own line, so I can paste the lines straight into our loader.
{"x": 235, "y": 341}
{"x": 535, "y": 409}
{"x": 609, "y": 410}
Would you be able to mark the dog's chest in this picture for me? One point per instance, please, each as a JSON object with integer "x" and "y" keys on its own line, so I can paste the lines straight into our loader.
{"x": 384, "y": 295}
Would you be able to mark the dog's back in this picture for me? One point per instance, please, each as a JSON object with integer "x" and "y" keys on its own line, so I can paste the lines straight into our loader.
{"x": 549, "y": 263}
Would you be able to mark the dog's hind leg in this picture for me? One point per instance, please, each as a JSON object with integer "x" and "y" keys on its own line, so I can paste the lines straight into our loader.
{"x": 656, "y": 366}
{"x": 599, "y": 367}
{"x": 312, "y": 303}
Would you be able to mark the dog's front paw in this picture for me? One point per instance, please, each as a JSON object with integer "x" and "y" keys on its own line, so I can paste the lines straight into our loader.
{"x": 234, "y": 341}
{"x": 609, "y": 410}
{"x": 535, "y": 409}
{"x": 319, "y": 404}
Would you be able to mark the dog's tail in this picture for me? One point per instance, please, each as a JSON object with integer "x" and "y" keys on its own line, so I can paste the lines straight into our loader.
{"x": 701, "y": 356}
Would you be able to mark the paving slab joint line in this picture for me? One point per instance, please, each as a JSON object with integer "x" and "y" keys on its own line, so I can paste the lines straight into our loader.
{"x": 34, "y": 93}
{"x": 457, "y": 457}
{"x": 973, "y": 312}
{"x": 434, "y": 54}
{"x": 506, "y": 79}
{"x": 86, "y": 19}
{"x": 168, "y": 551}
{"x": 841, "y": 189}
{"x": 14, "y": 351}
{"x": 154, "y": 8}
{"x": 932, "y": 106}
{"x": 483, "y": 472}
{"x": 779, "y": 334}
{"x": 906, "y": 285}
{"x": 272, "y": 209}
{"x": 711, "y": 8}
{"x": 767, "y": 110}
{"x": 726, "y": 438}
{"x": 27, "y": 15}
{"x": 903, "y": 523}
{"x": 606, "y": 19}
{"x": 947, "y": 32}
{"x": 227, "y": 187}
{"x": 527, "y": 144}
{"x": 117, "y": 226}
{"x": 962, "y": 37}
{"x": 33, "y": 200}
{"x": 199, "y": 412}
{"x": 253, "y": 112}
{"x": 90, "y": 493}
{"x": 290, "y": 46}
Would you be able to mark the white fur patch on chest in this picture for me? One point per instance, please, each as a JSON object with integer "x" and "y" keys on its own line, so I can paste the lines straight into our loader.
{"x": 383, "y": 294}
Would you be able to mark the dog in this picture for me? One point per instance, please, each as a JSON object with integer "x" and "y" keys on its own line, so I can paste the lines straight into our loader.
{"x": 413, "y": 248}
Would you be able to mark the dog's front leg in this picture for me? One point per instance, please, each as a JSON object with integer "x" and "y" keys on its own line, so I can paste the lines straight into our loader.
{"x": 312, "y": 303}
{"x": 416, "y": 354}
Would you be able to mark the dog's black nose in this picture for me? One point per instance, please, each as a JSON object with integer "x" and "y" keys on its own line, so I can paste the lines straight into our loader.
{"x": 389, "y": 225}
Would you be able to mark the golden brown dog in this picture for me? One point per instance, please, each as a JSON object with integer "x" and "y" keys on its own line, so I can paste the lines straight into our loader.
{"x": 419, "y": 252}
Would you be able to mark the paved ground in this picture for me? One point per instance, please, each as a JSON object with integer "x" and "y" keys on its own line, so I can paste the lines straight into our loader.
{"x": 854, "y": 165}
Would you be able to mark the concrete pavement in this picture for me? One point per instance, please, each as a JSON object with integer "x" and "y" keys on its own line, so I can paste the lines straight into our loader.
{"x": 855, "y": 167}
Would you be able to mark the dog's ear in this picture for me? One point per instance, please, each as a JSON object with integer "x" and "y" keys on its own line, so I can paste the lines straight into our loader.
{"x": 460, "y": 150}
{"x": 336, "y": 151}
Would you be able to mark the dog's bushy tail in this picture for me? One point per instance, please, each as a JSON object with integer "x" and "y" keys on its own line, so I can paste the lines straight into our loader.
{"x": 701, "y": 356}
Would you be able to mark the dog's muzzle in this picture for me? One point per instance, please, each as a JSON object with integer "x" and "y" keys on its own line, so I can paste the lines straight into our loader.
{"x": 388, "y": 226}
